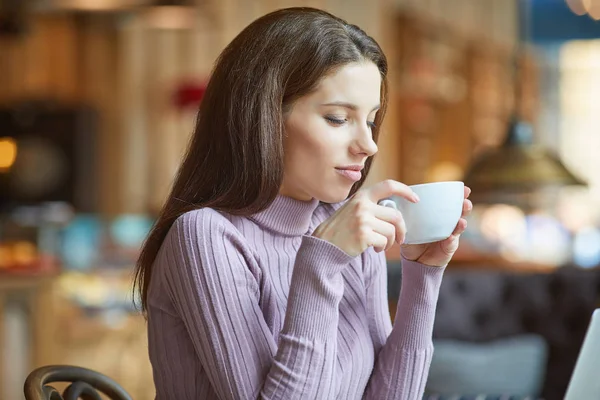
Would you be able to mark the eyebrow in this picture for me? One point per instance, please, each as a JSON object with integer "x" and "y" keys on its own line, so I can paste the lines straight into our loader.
{"x": 350, "y": 106}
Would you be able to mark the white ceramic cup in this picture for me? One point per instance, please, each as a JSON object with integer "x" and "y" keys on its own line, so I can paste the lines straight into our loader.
{"x": 435, "y": 216}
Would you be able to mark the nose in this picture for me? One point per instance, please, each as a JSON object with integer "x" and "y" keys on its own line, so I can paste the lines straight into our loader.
{"x": 363, "y": 143}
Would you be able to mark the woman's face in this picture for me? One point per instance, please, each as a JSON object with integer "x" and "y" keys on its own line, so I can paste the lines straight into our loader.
{"x": 328, "y": 134}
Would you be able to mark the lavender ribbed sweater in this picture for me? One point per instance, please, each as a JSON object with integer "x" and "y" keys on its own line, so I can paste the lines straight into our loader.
{"x": 247, "y": 308}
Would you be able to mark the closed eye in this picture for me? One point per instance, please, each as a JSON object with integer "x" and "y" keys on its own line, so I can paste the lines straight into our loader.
{"x": 339, "y": 122}
{"x": 335, "y": 121}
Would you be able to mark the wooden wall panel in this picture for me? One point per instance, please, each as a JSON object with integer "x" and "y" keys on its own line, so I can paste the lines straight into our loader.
{"x": 133, "y": 49}
{"x": 98, "y": 88}
{"x": 42, "y": 63}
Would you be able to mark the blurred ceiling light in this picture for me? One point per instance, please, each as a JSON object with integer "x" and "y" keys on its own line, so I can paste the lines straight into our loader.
{"x": 593, "y": 8}
{"x": 8, "y": 153}
{"x": 98, "y": 5}
{"x": 171, "y": 14}
{"x": 577, "y": 6}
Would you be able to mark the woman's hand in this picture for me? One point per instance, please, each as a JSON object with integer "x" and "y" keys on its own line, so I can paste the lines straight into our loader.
{"x": 438, "y": 254}
{"x": 361, "y": 222}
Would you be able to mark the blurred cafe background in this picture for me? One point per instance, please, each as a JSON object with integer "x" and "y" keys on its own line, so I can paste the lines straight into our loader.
{"x": 97, "y": 102}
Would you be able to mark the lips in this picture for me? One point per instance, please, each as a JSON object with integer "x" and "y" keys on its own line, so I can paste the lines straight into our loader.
{"x": 352, "y": 174}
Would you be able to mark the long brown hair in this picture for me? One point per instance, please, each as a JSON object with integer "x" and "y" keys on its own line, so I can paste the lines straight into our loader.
{"x": 234, "y": 162}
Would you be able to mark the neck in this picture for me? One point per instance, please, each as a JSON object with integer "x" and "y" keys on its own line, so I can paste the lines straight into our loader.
{"x": 287, "y": 215}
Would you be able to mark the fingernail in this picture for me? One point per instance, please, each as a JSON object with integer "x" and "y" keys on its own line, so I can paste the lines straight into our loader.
{"x": 416, "y": 197}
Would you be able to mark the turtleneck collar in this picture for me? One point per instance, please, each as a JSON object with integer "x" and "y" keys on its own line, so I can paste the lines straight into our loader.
{"x": 287, "y": 216}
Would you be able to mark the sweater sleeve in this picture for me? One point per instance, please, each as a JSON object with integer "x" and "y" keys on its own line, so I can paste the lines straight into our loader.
{"x": 404, "y": 351}
{"x": 209, "y": 276}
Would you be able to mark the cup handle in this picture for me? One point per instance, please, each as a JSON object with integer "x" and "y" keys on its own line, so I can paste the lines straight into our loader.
{"x": 388, "y": 203}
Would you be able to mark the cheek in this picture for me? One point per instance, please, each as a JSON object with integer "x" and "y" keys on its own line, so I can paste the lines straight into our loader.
{"x": 313, "y": 144}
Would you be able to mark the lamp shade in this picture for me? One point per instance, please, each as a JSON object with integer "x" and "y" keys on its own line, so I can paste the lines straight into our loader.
{"x": 518, "y": 166}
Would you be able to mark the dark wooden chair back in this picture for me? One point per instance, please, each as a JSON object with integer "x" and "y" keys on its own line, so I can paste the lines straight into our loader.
{"x": 85, "y": 384}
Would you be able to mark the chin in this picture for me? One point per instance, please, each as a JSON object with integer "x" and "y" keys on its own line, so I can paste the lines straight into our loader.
{"x": 334, "y": 195}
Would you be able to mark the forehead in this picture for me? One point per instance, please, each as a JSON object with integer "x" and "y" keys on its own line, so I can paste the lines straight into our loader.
{"x": 357, "y": 83}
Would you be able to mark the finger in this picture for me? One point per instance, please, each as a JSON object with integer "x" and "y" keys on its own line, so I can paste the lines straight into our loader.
{"x": 450, "y": 245}
{"x": 460, "y": 227}
{"x": 386, "y": 230}
{"x": 467, "y": 208}
{"x": 389, "y": 188}
{"x": 379, "y": 242}
{"x": 467, "y": 192}
{"x": 394, "y": 217}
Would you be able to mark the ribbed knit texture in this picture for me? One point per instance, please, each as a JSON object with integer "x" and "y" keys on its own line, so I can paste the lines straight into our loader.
{"x": 257, "y": 308}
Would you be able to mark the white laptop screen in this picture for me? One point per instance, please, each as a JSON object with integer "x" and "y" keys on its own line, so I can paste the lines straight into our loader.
{"x": 585, "y": 381}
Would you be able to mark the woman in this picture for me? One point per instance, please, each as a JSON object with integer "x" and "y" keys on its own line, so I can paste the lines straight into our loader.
{"x": 264, "y": 276}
